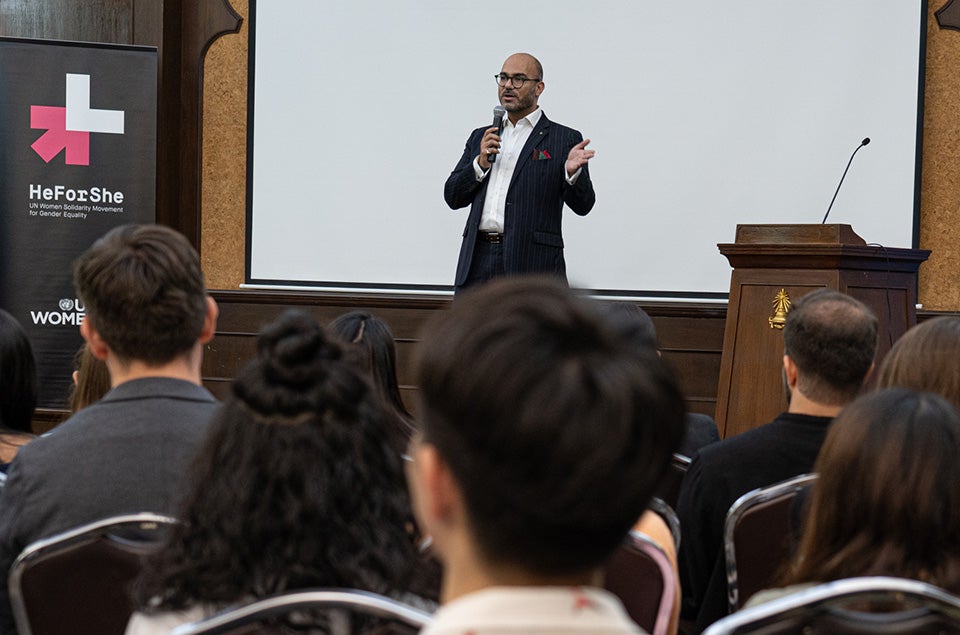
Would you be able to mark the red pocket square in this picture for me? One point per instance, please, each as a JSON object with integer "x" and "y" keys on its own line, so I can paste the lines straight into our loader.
{"x": 539, "y": 155}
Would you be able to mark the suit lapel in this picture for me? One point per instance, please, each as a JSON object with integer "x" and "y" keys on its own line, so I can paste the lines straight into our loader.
{"x": 536, "y": 138}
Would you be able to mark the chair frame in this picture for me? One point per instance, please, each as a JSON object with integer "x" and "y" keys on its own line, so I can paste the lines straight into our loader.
{"x": 355, "y": 599}
{"x": 668, "y": 490}
{"x": 50, "y": 545}
{"x": 823, "y": 595}
{"x": 669, "y": 516}
{"x": 739, "y": 508}
{"x": 638, "y": 541}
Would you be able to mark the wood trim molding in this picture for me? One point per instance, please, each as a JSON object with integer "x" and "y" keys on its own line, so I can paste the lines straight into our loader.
{"x": 190, "y": 27}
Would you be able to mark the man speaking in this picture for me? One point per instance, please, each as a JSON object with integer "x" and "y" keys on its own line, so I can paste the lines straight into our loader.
{"x": 516, "y": 177}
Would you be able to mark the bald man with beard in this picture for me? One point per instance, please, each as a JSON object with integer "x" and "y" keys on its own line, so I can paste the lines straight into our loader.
{"x": 516, "y": 181}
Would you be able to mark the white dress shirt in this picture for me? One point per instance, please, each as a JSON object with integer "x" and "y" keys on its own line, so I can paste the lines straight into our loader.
{"x": 512, "y": 140}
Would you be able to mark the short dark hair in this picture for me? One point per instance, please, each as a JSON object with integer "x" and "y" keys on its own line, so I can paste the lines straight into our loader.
{"x": 556, "y": 426}
{"x": 295, "y": 485}
{"x": 832, "y": 338}
{"x": 143, "y": 292}
{"x": 926, "y": 358}
{"x": 886, "y": 501}
{"x": 18, "y": 376}
{"x": 633, "y": 320}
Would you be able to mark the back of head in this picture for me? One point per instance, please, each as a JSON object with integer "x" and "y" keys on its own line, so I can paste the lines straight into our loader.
{"x": 143, "y": 291}
{"x": 296, "y": 484}
{"x": 925, "y": 358}
{"x": 634, "y": 321}
{"x": 832, "y": 338}
{"x": 886, "y": 501}
{"x": 18, "y": 376}
{"x": 379, "y": 353}
{"x": 555, "y": 427}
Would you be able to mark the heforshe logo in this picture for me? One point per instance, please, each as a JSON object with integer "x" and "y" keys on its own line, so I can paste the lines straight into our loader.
{"x": 69, "y": 127}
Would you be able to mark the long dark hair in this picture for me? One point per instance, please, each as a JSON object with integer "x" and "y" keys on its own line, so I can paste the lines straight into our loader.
{"x": 887, "y": 500}
{"x": 18, "y": 376}
{"x": 296, "y": 484}
{"x": 378, "y": 351}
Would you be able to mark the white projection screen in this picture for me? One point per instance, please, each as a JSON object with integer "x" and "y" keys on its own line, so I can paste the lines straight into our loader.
{"x": 704, "y": 114}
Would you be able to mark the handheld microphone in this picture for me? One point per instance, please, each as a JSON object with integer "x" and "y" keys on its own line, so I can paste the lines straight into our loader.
{"x": 498, "y": 114}
{"x": 865, "y": 141}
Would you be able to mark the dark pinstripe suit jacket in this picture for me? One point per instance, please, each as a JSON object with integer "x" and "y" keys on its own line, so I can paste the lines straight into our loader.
{"x": 532, "y": 240}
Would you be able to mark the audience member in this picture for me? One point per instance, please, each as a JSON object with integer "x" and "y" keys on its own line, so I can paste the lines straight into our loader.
{"x": 544, "y": 433}
{"x": 373, "y": 338}
{"x": 926, "y": 358}
{"x": 829, "y": 344}
{"x": 91, "y": 380}
{"x": 18, "y": 388}
{"x": 886, "y": 500}
{"x": 148, "y": 317}
{"x": 296, "y": 486}
{"x": 379, "y": 355}
{"x": 701, "y": 429}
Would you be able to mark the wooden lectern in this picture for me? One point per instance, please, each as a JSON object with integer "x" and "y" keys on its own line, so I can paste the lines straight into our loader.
{"x": 772, "y": 263}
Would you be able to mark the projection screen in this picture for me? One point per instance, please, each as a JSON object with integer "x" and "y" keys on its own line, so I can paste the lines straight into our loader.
{"x": 703, "y": 115}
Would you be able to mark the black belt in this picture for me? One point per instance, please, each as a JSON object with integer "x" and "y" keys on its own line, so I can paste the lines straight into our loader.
{"x": 494, "y": 238}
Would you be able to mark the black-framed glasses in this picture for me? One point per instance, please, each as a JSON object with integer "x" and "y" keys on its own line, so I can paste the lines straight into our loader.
{"x": 515, "y": 81}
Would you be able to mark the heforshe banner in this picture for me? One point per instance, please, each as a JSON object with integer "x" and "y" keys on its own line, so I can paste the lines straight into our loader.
{"x": 77, "y": 157}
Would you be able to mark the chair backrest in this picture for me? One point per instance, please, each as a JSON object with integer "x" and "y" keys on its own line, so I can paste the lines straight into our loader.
{"x": 239, "y": 619}
{"x": 668, "y": 489}
{"x": 669, "y": 516}
{"x": 79, "y": 581}
{"x": 855, "y": 606}
{"x": 757, "y": 539}
{"x": 640, "y": 574}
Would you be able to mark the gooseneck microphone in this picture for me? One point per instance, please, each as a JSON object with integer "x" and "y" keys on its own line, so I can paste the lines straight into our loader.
{"x": 865, "y": 141}
{"x": 498, "y": 114}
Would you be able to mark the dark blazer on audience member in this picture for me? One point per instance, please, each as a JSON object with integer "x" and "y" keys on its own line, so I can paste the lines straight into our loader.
{"x": 123, "y": 454}
{"x": 718, "y": 476}
{"x": 532, "y": 238}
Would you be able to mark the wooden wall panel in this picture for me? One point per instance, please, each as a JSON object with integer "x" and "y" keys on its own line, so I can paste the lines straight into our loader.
{"x": 690, "y": 339}
{"x": 690, "y": 335}
{"x": 110, "y": 21}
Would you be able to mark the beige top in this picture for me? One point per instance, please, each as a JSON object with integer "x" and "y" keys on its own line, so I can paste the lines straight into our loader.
{"x": 534, "y": 611}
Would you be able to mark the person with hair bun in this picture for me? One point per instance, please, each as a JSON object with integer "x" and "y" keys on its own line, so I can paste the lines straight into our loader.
{"x": 296, "y": 485}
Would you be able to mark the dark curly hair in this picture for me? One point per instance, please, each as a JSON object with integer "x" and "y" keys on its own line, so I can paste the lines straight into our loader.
{"x": 296, "y": 485}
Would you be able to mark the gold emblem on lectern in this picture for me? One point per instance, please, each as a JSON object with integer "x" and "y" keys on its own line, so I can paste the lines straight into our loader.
{"x": 781, "y": 306}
